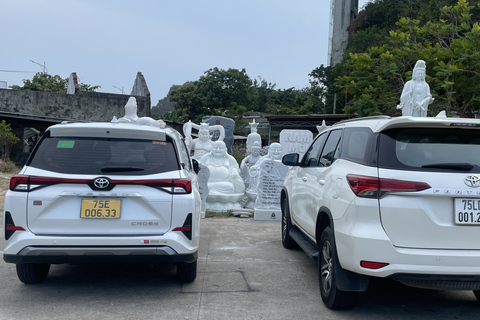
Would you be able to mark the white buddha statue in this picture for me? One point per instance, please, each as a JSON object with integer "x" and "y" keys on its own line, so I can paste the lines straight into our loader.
{"x": 248, "y": 162}
{"x": 203, "y": 144}
{"x": 225, "y": 186}
{"x": 253, "y": 137}
{"x": 416, "y": 95}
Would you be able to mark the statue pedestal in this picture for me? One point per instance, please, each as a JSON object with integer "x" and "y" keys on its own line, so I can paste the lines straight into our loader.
{"x": 268, "y": 214}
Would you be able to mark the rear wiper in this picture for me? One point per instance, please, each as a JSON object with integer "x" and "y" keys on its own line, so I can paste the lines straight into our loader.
{"x": 451, "y": 166}
{"x": 120, "y": 169}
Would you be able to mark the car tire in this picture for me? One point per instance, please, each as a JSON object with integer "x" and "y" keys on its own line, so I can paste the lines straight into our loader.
{"x": 187, "y": 272}
{"x": 287, "y": 240}
{"x": 332, "y": 297}
{"x": 31, "y": 273}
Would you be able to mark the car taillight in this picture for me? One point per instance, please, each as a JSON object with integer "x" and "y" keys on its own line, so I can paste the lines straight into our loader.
{"x": 30, "y": 183}
{"x": 372, "y": 187}
{"x": 171, "y": 186}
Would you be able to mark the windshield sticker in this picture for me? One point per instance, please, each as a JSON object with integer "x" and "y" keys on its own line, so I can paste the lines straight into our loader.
{"x": 66, "y": 144}
{"x": 162, "y": 143}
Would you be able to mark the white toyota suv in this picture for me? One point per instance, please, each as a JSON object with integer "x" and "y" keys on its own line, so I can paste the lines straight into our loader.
{"x": 104, "y": 193}
{"x": 387, "y": 197}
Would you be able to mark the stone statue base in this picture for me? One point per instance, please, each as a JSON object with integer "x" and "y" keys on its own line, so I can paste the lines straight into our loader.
{"x": 268, "y": 214}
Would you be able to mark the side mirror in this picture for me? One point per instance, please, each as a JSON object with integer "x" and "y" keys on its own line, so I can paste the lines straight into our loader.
{"x": 290, "y": 159}
{"x": 196, "y": 167}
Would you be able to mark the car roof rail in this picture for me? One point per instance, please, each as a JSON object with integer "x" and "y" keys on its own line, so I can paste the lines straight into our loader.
{"x": 364, "y": 118}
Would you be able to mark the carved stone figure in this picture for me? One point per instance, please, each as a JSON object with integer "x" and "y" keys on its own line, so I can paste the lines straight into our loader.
{"x": 225, "y": 186}
{"x": 248, "y": 162}
{"x": 203, "y": 144}
{"x": 416, "y": 95}
{"x": 253, "y": 137}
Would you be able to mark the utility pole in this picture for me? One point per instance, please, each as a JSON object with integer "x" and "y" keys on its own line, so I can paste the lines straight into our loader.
{"x": 41, "y": 65}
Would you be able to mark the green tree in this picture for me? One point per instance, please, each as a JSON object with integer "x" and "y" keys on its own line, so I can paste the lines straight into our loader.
{"x": 7, "y": 139}
{"x": 48, "y": 83}
{"x": 449, "y": 45}
{"x": 219, "y": 89}
{"x": 188, "y": 105}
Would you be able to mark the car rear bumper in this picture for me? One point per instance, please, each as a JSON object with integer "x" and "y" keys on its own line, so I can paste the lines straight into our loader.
{"x": 150, "y": 254}
{"x": 356, "y": 246}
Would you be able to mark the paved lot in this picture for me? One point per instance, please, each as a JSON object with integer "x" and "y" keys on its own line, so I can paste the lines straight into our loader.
{"x": 244, "y": 273}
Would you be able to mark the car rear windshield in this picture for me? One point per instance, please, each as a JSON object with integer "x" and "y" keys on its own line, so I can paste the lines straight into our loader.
{"x": 430, "y": 149}
{"x": 104, "y": 156}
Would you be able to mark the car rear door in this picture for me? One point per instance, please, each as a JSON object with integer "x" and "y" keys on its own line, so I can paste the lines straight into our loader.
{"x": 438, "y": 203}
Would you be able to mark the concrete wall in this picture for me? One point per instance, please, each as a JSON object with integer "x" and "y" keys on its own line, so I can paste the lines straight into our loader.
{"x": 81, "y": 106}
{"x": 38, "y": 109}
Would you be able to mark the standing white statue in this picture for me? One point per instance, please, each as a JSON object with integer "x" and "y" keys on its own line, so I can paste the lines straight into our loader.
{"x": 253, "y": 137}
{"x": 225, "y": 186}
{"x": 203, "y": 144}
{"x": 248, "y": 162}
{"x": 416, "y": 95}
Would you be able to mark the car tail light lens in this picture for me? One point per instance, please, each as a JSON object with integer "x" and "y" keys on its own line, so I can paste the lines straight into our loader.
{"x": 175, "y": 186}
{"x": 30, "y": 183}
{"x": 372, "y": 187}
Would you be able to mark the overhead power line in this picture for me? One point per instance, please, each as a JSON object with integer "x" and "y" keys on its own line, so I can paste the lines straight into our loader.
{"x": 18, "y": 71}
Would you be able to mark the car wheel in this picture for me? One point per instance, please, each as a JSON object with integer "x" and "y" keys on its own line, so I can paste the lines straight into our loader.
{"x": 187, "y": 272}
{"x": 332, "y": 297}
{"x": 287, "y": 240}
{"x": 31, "y": 273}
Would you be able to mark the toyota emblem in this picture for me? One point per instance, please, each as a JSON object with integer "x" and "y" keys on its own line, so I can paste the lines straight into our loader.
{"x": 101, "y": 183}
{"x": 472, "y": 181}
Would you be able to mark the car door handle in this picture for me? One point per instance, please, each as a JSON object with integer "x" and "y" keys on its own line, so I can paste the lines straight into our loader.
{"x": 321, "y": 182}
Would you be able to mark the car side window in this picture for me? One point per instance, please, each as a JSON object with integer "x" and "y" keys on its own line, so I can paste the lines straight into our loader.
{"x": 331, "y": 150}
{"x": 310, "y": 159}
{"x": 356, "y": 144}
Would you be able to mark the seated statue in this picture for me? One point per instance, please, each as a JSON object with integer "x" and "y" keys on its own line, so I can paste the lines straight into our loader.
{"x": 225, "y": 186}
{"x": 203, "y": 144}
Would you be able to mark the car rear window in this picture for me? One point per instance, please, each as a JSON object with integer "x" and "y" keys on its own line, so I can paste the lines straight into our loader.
{"x": 430, "y": 149}
{"x": 104, "y": 156}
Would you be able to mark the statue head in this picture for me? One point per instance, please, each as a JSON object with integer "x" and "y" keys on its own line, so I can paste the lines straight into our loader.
{"x": 268, "y": 165}
{"x": 275, "y": 151}
{"x": 204, "y": 132}
{"x": 419, "y": 70}
{"x": 219, "y": 149}
{"x": 256, "y": 149}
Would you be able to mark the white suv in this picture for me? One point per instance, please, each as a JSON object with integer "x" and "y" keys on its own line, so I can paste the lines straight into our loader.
{"x": 387, "y": 197}
{"x": 104, "y": 193}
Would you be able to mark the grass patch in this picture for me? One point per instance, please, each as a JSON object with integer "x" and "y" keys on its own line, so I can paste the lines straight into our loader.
{"x": 222, "y": 214}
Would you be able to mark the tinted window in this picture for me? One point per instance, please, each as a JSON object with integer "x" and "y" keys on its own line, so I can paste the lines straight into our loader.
{"x": 105, "y": 156}
{"x": 332, "y": 148}
{"x": 357, "y": 144}
{"x": 430, "y": 149}
{"x": 310, "y": 159}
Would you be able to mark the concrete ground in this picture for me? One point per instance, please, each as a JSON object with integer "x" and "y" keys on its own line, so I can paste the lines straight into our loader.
{"x": 243, "y": 273}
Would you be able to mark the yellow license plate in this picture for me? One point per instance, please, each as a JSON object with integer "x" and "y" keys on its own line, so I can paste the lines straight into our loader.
{"x": 100, "y": 209}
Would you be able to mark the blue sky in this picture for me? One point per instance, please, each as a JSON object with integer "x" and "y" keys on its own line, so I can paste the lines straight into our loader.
{"x": 106, "y": 42}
